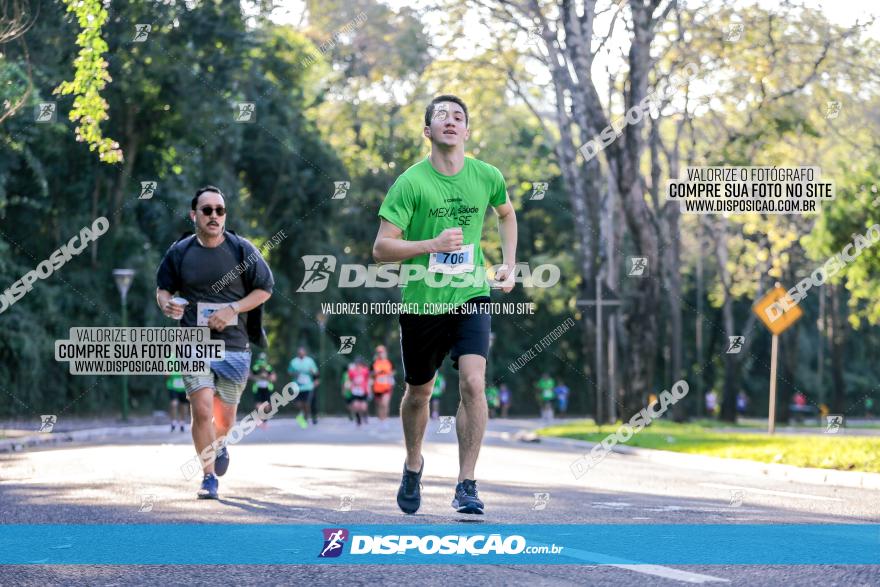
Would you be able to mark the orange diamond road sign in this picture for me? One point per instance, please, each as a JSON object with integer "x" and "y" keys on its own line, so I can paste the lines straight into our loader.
{"x": 777, "y": 311}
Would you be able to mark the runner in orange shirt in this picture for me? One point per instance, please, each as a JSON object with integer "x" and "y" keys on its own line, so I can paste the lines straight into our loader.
{"x": 382, "y": 378}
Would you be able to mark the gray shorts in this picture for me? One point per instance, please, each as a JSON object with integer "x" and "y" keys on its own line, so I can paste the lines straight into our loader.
{"x": 227, "y": 378}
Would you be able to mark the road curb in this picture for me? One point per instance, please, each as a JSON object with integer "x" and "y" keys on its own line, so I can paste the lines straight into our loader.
{"x": 833, "y": 477}
{"x": 50, "y": 438}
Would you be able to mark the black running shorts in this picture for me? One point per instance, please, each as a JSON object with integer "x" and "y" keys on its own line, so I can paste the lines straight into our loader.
{"x": 425, "y": 340}
{"x": 180, "y": 396}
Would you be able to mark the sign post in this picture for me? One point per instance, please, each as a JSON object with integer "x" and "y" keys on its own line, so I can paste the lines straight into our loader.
{"x": 778, "y": 313}
{"x": 771, "y": 421}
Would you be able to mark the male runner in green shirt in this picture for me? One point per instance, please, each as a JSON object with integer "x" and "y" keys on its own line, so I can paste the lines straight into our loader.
{"x": 436, "y": 394}
{"x": 263, "y": 376}
{"x": 177, "y": 400}
{"x": 433, "y": 218}
{"x": 546, "y": 395}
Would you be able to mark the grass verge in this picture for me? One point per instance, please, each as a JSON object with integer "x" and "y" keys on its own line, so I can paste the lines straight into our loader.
{"x": 823, "y": 451}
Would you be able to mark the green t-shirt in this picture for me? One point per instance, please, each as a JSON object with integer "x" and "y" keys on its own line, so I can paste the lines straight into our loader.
{"x": 175, "y": 382}
{"x": 546, "y": 386}
{"x": 260, "y": 365}
{"x": 439, "y": 386}
{"x": 423, "y": 203}
{"x": 262, "y": 381}
{"x": 492, "y": 396}
{"x": 345, "y": 391}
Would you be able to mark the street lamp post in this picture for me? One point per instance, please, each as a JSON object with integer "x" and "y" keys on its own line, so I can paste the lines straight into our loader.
{"x": 123, "y": 279}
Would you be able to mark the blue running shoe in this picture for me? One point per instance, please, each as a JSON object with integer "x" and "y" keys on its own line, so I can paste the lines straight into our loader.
{"x": 467, "y": 501}
{"x": 209, "y": 487}
{"x": 221, "y": 462}
{"x": 409, "y": 496}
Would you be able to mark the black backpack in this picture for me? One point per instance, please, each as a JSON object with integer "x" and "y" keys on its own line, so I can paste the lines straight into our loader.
{"x": 256, "y": 334}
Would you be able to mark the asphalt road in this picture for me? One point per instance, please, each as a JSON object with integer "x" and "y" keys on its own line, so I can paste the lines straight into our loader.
{"x": 285, "y": 475}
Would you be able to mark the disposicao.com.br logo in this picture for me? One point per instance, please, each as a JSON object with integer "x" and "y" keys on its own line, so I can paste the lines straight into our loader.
{"x": 431, "y": 544}
{"x": 334, "y": 540}
{"x": 319, "y": 269}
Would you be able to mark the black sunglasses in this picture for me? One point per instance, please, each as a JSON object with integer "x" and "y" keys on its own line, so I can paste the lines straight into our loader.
{"x": 206, "y": 210}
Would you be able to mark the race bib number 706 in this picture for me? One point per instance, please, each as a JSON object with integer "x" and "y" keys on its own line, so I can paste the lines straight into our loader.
{"x": 453, "y": 262}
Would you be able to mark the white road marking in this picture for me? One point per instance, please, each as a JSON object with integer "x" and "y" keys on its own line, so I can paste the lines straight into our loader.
{"x": 656, "y": 570}
{"x": 665, "y": 508}
{"x": 770, "y": 492}
{"x": 674, "y": 574}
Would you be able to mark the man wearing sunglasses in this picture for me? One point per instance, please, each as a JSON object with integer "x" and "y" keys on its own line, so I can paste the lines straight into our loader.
{"x": 224, "y": 280}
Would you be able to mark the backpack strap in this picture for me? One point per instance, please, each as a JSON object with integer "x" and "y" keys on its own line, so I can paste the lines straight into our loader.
{"x": 241, "y": 250}
{"x": 256, "y": 334}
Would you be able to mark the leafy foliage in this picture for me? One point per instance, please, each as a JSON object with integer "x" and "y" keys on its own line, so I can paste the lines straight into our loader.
{"x": 89, "y": 108}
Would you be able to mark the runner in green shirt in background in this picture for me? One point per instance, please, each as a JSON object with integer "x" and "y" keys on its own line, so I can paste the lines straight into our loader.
{"x": 177, "y": 399}
{"x": 263, "y": 377}
{"x": 436, "y": 393}
{"x": 493, "y": 398}
{"x": 546, "y": 395}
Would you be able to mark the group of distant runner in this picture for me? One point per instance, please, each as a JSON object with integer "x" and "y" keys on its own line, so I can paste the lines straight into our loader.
{"x": 362, "y": 384}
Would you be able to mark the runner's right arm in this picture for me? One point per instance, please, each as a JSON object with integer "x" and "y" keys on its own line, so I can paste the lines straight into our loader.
{"x": 169, "y": 308}
{"x": 391, "y": 248}
{"x": 167, "y": 284}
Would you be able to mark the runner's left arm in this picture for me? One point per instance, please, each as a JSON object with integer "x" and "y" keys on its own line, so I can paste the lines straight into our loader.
{"x": 223, "y": 316}
{"x": 260, "y": 278}
{"x": 507, "y": 229}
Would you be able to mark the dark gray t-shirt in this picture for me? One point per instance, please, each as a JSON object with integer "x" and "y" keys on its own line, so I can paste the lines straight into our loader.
{"x": 216, "y": 275}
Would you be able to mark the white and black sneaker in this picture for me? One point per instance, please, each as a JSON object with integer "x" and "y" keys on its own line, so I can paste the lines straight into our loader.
{"x": 467, "y": 500}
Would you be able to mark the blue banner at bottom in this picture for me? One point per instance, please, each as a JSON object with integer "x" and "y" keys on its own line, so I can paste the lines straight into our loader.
{"x": 626, "y": 544}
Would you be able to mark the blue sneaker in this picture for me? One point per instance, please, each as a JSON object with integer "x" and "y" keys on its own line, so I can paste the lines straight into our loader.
{"x": 209, "y": 487}
{"x": 409, "y": 496}
{"x": 466, "y": 499}
{"x": 221, "y": 462}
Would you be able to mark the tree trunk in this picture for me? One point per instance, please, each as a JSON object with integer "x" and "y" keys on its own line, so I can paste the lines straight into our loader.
{"x": 700, "y": 376}
{"x": 581, "y": 185}
{"x": 671, "y": 261}
{"x": 624, "y": 158}
{"x": 96, "y": 194}
{"x": 731, "y": 366}
{"x": 838, "y": 339}
{"x": 731, "y": 360}
{"x": 130, "y": 150}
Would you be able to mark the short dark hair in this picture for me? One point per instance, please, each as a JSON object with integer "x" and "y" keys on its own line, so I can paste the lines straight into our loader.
{"x": 202, "y": 190}
{"x": 429, "y": 111}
